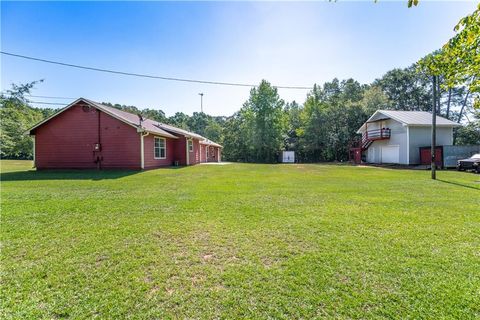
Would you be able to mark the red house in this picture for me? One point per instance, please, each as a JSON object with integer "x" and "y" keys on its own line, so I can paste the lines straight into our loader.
{"x": 86, "y": 134}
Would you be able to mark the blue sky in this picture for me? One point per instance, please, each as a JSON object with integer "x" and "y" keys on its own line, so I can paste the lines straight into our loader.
{"x": 286, "y": 43}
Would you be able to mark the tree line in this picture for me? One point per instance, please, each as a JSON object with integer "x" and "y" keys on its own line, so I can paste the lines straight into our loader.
{"x": 321, "y": 128}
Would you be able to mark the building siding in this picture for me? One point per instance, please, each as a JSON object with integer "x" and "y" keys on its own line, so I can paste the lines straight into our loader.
{"x": 149, "y": 154}
{"x": 67, "y": 141}
{"x": 422, "y": 137}
{"x": 409, "y": 141}
{"x": 398, "y": 137}
{"x": 194, "y": 156}
{"x": 203, "y": 153}
{"x": 180, "y": 151}
{"x": 213, "y": 154}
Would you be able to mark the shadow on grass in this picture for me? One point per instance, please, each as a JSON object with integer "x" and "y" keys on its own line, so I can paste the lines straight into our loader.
{"x": 459, "y": 184}
{"x": 65, "y": 175}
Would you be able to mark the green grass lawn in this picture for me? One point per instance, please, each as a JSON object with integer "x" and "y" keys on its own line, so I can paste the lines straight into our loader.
{"x": 240, "y": 241}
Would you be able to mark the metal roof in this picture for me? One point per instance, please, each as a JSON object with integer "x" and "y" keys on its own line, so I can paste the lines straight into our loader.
{"x": 180, "y": 131}
{"x": 148, "y": 125}
{"x": 210, "y": 143}
{"x": 410, "y": 118}
{"x": 133, "y": 119}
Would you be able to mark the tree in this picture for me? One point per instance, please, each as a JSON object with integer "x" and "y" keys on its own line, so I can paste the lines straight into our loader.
{"x": 313, "y": 132}
{"x": 374, "y": 99}
{"x": 293, "y": 113}
{"x": 154, "y": 114}
{"x": 17, "y": 117}
{"x": 267, "y": 118}
{"x": 179, "y": 120}
{"x": 470, "y": 133}
{"x": 406, "y": 89}
{"x": 198, "y": 122}
{"x": 214, "y": 131}
{"x": 330, "y": 118}
{"x": 458, "y": 61}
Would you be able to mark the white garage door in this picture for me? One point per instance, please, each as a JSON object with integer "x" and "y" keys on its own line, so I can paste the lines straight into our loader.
{"x": 391, "y": 154}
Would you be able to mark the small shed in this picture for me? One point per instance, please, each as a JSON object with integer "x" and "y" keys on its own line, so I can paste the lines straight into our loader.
{"x": 287, "y": 157}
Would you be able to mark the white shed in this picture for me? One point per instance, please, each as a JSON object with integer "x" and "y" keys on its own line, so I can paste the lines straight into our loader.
{"x": 287, "y": 157}
{"x": 396, "y": 136}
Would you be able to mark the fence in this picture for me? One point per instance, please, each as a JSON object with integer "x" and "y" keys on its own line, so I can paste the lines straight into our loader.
{"x": 451, "y": 154}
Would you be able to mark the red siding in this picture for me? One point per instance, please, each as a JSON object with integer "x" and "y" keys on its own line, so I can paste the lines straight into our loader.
{"x": 194, "y": 156}
{"x": 203, "y": 153}
{"x": 150, "y": 161}
{"x": 120, "y": 144}
{"x": 180, "y": 151}
{"x": 67, "y": 141}
{"x": 213, "y": 154}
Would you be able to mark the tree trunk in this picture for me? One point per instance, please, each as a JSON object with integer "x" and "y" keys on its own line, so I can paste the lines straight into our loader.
{"x": 439, "y": 95}
{"x": 460, "y": 115}
{"x": 448, "y": 102}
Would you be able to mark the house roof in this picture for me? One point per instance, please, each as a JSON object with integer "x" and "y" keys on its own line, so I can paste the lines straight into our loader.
{"x": 409, "y": 118}
{"x": 147, "y": 125}
{"x": 180, "y": 131}
{"x": 133, "y": 119}
{"x": 210, "y": 142}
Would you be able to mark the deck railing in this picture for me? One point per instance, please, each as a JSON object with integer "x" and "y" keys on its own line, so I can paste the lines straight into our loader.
{"x": 378, "y": 134}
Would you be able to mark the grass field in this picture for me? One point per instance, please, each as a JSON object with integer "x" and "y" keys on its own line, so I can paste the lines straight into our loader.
{"x": 240, "y": 241}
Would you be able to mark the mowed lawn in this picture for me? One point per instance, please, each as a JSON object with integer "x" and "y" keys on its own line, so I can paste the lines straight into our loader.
{"x": 240, "y": 241}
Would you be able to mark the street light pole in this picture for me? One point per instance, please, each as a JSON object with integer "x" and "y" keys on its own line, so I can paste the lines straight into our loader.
{"x": 201, "y": 102}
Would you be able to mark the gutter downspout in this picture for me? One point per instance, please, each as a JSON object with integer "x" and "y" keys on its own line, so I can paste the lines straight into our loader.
{"x": 408, "y": 145}
{"x": 34, "y": 164}
{"x": 142, "y": 149}
{"x": 187, "y": 151}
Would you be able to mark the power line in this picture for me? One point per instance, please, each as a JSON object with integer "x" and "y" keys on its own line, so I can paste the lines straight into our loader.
{"x": 147, "y": 75}
{"x": 51, "y": 97}
{"x": 35, "y": 96}
{"x": 52, "y": 103}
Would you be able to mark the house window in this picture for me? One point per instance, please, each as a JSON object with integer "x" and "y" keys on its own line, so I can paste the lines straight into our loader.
{"x": 160, "y": 148}
{"x": 206, "y": 152}
{"x": 190, "y": 146}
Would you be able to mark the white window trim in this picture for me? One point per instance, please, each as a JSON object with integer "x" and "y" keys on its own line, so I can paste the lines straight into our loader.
{"x": 190, "y": 143}
{"x": 165, "y": 147}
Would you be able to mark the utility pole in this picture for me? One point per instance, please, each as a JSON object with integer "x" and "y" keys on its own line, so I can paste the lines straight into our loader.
{"x": 201, "y": 101}
{"x": 434, "y": 128}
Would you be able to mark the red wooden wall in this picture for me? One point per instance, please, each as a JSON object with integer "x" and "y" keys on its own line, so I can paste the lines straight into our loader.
{"x": 149, "y": 154}
{"x": 67, "y": 141}
{"x": 203, "y": 153}
{"x": 194, "y": 156}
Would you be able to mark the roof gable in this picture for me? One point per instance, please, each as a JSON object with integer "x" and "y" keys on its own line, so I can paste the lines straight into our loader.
{"x": 409, "y": 118}
{"x": 420, "y": 118}
{"x": 126, "y": 117}
{"x": 133, "y": 120}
